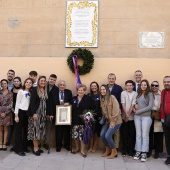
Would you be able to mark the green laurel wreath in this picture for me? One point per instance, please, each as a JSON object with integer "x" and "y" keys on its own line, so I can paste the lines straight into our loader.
{"x": 86, "y": 56}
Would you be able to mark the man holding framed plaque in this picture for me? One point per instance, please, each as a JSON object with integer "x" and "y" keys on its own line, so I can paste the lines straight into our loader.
{"x": 59, "y": 99}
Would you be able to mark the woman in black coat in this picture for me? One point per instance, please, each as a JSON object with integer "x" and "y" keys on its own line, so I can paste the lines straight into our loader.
{"x": 95, "y": 95}
{"x": 37, "y": 114}
{"x": 80, "y": 103}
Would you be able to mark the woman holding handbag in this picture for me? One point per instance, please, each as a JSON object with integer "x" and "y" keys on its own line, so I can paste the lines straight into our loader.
{"x": 111, "y": 120}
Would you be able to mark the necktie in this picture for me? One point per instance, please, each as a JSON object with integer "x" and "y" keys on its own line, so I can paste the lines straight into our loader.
{"x": 137, "y": 88}
{"x": 62, "y": 97}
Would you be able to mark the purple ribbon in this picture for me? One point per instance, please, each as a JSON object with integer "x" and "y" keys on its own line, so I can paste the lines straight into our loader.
{"x": 88, "y": 133}
{"x": 78, "y": 81}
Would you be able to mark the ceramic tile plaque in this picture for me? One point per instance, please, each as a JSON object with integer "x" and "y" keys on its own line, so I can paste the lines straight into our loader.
{"x": 151, "y": 39}
{"x": 82, "y": 24}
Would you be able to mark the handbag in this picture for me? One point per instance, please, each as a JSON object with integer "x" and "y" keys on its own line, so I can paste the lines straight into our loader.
{"x": 103, "y": 120}
{"x": 156, "y": 115}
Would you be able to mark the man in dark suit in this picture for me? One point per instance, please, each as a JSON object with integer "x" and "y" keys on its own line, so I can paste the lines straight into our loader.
{"x": 115, "y": 90}
{"x": 50, "y": 88}
{"x": 138, "y": 78}
{"x": 61, "y": 96}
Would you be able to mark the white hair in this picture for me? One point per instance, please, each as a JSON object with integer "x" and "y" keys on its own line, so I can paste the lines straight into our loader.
{"x": 61, "y": 81}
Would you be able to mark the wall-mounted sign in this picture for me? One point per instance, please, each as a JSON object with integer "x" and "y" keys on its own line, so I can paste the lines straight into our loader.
{"x": 82, "y": 24}
{"x": 151, "y": 39}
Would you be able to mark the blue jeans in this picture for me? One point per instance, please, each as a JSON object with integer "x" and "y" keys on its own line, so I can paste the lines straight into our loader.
{"x": 142, "y": 125}
{"x": 107, "y": 133}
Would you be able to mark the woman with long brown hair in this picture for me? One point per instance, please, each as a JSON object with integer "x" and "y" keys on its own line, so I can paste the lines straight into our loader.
{"x": 143, "y": 120}
{"x": 111, "y": 120}
{"x": 21, "y": 118}
{"x": 37, "y": 114}
{"x": 95, "y": 95}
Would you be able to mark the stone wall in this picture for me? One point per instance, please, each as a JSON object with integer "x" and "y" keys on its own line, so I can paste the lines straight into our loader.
{"x": 36, "y": 28}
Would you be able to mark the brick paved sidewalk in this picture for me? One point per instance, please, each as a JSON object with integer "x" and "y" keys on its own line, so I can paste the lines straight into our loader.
{"x": 67, "y": 161}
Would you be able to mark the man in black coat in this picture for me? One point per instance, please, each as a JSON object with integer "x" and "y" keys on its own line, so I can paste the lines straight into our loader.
{"x": 61, "y": 96}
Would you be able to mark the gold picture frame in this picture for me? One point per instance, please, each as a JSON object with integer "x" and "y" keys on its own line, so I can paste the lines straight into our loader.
{"x": 63, "y": 115}
{"x": 73, "y": 38}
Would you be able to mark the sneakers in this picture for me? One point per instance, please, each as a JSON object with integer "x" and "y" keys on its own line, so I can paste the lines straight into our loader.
{"x": 143, "y": 157}
{"x": 137, "y": 156}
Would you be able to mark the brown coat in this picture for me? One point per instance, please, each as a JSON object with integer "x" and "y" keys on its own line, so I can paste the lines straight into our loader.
{"x": 111, "y": 110}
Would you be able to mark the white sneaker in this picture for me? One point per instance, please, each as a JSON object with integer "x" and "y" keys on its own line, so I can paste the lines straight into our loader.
{"x": 137, "y": 155}
{"x": 143, "y": 157}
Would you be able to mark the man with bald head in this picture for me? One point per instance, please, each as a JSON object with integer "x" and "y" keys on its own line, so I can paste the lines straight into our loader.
{"x": 61, "y": 96}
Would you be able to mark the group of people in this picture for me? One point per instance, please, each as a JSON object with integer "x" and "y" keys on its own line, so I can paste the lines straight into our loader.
{"x": 139, "y": 115}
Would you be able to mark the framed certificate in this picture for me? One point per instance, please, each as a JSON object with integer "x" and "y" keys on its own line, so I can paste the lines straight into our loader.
{"x": 63, "y": 115}
{"x": 82, "y": 24}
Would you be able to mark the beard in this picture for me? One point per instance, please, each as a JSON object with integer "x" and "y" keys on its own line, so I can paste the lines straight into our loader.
{"x": 167, "y": 87}
{"x": 9, "y": 78}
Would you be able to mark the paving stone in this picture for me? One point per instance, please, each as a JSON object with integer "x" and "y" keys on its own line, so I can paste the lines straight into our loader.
{"x": 136, "y": 165}
{"x": 65, "y": 160}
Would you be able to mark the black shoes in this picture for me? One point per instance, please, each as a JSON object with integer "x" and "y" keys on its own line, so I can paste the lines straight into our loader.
{"x": 46, "y": 146}
{"x": 27, "y": 150}
{"x": 40, "y": 150}
{"x": 156, "y": 156}
{"x": 12, "y": 149}
{"x": 37, "y": 153}
{"x": 131, "y": 154}
{"x": 124, "y": 153}
{"x": 149, "y": 153}
{"x": 67, "y": 148}
{"x": 21, "y": 153}
{"x": 167, "y": 162}
{"x": 58, "y": 149}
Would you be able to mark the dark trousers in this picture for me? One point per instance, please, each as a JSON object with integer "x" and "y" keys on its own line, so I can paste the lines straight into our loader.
{"x": 128, "y": 136}
{"x": 155, "y": 140}
{"x": 167, "y": 133}
{"x": 62, "y": 131}
{"x": 21, "y": 141}
{"x": 11, "y": 129}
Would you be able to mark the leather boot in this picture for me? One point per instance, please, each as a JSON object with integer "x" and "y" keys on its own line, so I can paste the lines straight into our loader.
{"x": 113, "y": 154}
{"x": 107, "y": 152}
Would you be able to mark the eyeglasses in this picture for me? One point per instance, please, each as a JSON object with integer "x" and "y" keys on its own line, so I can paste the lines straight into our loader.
{"x": 154, "y": 85}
